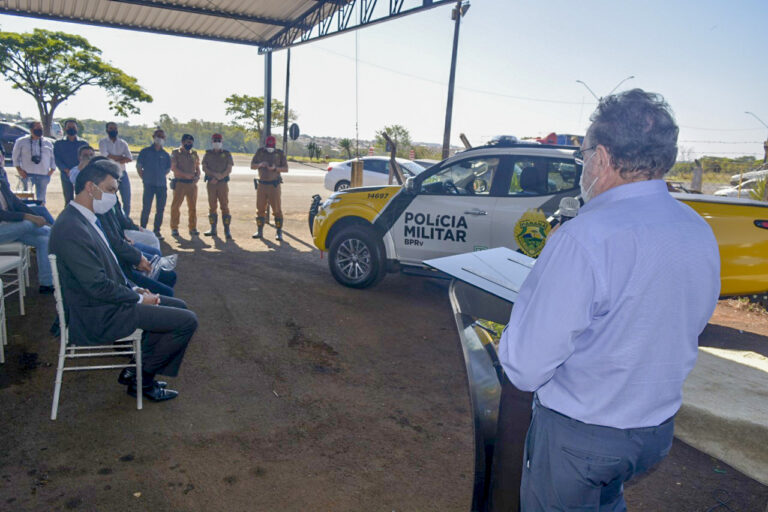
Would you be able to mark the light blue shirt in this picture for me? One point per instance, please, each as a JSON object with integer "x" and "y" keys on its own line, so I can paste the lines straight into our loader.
{"x": 605, "y": 328}
{"x": 73, "y": 172}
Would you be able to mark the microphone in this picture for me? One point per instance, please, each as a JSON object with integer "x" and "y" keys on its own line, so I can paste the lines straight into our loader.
{"x": 569, "y": 208}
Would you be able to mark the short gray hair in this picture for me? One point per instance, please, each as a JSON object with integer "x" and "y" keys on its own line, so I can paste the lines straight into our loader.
{"x": 638, "y": 130}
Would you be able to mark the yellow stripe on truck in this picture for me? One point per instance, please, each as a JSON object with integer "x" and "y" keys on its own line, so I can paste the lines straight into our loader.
{"x": 743, "y": 246}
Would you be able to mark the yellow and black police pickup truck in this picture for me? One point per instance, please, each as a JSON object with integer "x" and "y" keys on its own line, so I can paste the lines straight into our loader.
{"x": 488, "y": 197}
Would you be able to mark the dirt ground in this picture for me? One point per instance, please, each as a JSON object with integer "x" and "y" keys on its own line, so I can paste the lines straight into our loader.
{"x": 296, "y": 394}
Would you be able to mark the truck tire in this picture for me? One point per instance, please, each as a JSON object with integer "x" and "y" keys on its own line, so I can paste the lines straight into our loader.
{"x": 341, "y": 185}
{"x": 357, "y": 258}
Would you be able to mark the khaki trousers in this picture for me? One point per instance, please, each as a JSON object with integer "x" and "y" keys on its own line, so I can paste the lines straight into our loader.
{"x": 183, "y": 191}
{"x": 218, "y": 193}
{"x": 268, "y": 194}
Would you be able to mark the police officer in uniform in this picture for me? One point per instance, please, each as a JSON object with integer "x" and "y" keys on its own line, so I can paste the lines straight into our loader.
{"x": 217, "y": 166}
{"x": 270, "y": 162}
{"x": 185, "y": 165}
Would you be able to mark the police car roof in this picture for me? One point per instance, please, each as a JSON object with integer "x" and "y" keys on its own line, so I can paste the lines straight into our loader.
{"x": 521, "y": 145}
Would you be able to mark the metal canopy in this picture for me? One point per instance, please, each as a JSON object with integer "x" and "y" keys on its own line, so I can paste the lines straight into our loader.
{"x": 268, "y": 24}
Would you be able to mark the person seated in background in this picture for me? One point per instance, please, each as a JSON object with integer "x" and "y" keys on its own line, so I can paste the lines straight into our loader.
{"x": 19, "y": 223}
{"x": 133, "y": 260}
{"x": 84, "y": 155}
{"x": 102, "y": 305}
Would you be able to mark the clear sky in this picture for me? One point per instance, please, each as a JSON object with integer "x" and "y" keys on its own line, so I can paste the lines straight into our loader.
{"x": 517, "y": 69}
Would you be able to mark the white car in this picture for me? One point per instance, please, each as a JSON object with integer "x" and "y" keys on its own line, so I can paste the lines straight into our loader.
{"x": 375, "y": 172}
{"x": 746, "y": 187}
{"x": 750, "y": 175}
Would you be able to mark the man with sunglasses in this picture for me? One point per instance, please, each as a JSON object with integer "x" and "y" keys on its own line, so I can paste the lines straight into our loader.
{"x": 631, "y": 281}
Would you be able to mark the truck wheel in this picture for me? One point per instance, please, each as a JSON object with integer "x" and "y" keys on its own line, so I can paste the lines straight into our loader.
{"x": 357, "y": 258}
{"x": 341, "y": 185}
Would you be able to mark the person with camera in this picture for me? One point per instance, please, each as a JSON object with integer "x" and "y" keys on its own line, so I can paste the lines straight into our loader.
{"x": 34, "y": 160}
{"x": 185, "y": 165}
{"x": 271, "y": 163}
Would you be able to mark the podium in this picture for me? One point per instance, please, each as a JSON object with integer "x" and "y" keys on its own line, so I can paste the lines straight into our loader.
{"x": 484, "y": 286}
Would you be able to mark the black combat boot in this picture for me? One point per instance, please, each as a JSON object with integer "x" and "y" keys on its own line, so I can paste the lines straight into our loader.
{"x": 227, "y": 220}
{"x": 213, "y": 219}
{"x": 279, "y": 227}
{"x": 260, "y": 226}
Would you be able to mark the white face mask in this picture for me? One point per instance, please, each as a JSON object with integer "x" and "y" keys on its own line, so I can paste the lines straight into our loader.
{"x": 587, "y": 183}
{"x": 270, "y": 150}
{"x": 217, "y": 145}
{"x": 159, "y": 141}
{"x": 104, "y": 204}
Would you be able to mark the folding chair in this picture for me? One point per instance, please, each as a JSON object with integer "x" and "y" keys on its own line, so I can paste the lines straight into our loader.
{"x": 23, "y": 252}
{"x": 3, "y": 332}
{"x": 70, "y": 351}
{"x": 9, "y": 264}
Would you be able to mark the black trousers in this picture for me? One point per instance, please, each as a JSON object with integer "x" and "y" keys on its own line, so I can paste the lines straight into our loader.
{"x": 67, "y": 188}
{"x": 150, "y": 192}
{"x": 168, "y": 328}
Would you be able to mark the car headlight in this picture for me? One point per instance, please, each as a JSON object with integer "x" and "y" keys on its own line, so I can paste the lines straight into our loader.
{"x": 328, "y": 202}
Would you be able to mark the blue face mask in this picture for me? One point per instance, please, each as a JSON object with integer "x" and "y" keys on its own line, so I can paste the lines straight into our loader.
{"x": 187, "y": 146}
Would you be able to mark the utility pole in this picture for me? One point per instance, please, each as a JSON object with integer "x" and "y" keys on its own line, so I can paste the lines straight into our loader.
{"x": 287, "y": 91}
{"x": 456, "y": 14}
{"x": 267, "y": 97}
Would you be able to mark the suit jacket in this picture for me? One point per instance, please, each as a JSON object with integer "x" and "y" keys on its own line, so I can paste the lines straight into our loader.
{"x": 127, "y": 254}
{"x": 100, "y": 306}
{"x": 16, "y": 207}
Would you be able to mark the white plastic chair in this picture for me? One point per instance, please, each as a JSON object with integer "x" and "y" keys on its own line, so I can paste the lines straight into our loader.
{"x": 15, "y": 264}
{"x": 23, "y": 252}
{"x": 3, "y": 332}
{"x": 68, "y": 351}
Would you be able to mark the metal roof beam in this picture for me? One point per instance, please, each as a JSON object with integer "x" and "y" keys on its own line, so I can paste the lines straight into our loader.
{"x": 206, "y": 12}
{"x": 80, "y": 21}
{"x": 315, "y": 16}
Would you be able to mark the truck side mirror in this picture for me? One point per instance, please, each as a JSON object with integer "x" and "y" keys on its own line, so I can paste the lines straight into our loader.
{"x": 410, "y": 186}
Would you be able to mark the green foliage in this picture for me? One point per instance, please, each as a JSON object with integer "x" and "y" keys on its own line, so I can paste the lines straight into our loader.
{"x": 424, "y": 152}
{"x": 758, "y": 193}
{"x": 346, "y": 145}
{"x": 716, "y": 169}
{"x": 248, "y": 111}
{"x": 399, "y": 135}
{"x": 314, "y": 150}
{"x": 53, "y": 66}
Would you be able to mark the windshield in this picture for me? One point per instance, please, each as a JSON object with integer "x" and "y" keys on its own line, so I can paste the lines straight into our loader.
{"x": 412, "y": 167}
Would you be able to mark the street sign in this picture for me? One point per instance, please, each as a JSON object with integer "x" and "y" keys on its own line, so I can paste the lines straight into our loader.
{"x": 293, "y": 131}
{"x": 370, "y": 151}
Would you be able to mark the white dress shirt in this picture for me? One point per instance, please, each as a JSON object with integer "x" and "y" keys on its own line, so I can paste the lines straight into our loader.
{"x": 25, "y": 148}
{"x": 118, "y": 147}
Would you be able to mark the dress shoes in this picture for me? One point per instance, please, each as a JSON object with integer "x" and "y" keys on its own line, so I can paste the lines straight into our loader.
{"x": 45, "y": 290}
{"x": 158, "y": 235}
{"x": 127, "y": 377}
{"x": 155, "y": 392}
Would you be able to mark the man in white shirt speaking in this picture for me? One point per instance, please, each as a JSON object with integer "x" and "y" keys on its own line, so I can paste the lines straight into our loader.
{"x": 606, "y": 326}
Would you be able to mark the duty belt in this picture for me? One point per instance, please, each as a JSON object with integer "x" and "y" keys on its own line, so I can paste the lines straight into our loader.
{"x": 180, "y": 180}
{"x": 273, "y": 182}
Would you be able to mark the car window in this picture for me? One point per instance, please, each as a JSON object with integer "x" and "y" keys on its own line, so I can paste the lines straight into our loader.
{"x": 472, "y": 176}
{"x": 379, "y": 166}
{"x": 534, "y": 176}
{"x": 412, "y": 167}
{"x": 14, "y": 131}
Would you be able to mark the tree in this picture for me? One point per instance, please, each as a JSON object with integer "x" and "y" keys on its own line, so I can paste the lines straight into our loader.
{"x": 399, "y": 136}
{"x": 249, "y": 111}
{"x": 53, "y": 66}
{"x": 346, "y": 145}
{"x": 314, "y": 150}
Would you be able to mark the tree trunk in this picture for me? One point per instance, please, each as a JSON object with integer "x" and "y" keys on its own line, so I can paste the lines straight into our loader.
{"x": 46, "y": 117}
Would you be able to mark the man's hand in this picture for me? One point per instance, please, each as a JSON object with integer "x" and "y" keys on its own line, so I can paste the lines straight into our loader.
{"x": 36, "y": 219}
{"x": 151, "y": 299}
{"x": 144, "y": 265}
{"x": 65, "y": 171}
{"x": 22, "y": 173}
{"x": 51, "y": 172}
{"x": 212, "y": 180}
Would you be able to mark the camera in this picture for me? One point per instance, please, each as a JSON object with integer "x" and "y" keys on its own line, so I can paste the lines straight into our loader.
{"x": 36, "y": 159}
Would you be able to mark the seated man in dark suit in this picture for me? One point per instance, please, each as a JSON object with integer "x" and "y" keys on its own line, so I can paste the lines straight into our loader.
{"x": 101, "y": 304}
{"x": 19, "y": 223}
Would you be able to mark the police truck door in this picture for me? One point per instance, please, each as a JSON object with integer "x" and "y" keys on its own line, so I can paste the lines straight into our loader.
{"x": 451, "y": 212}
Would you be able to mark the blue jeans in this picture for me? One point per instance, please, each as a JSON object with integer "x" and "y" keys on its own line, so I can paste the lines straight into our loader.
{"x": 569, "y": 465}
{"x": 152, "y": 285}
{"x": 43, "y": 212}
{"x": 150, "y": 192}
{"x": 125, "y": 193}
{"x": 28, "y": 233}
{"x": 40, "y": 181}
{"x": 148, "y": 250}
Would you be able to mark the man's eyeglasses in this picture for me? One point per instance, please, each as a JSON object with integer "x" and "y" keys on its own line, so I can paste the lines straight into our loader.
{"x": 579, "y": 153}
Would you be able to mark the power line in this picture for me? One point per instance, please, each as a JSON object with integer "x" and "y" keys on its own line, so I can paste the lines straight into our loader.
{"x": 722, "y": 129}
{"x": 724, "y": 141}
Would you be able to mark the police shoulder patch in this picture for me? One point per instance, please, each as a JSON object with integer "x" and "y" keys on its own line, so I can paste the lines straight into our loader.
{"x": 531, "y": 232}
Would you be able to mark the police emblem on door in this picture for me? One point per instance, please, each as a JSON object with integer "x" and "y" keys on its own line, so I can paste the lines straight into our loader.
{"x": 531, "y": 232}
